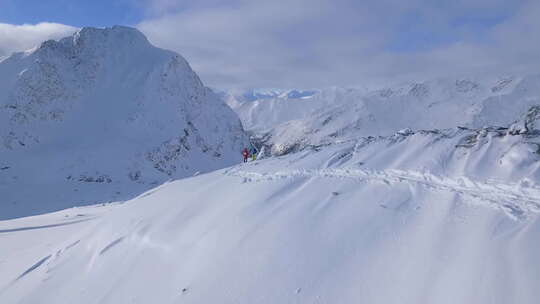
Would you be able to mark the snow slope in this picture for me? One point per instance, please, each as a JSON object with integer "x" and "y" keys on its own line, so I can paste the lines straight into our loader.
{"x": 103, "y": 115}
{"x": 336, "y": 114}
{"x": 414, "y": 217}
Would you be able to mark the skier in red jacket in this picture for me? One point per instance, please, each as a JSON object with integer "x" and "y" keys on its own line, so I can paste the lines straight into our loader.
{"x": 245, "y": 154}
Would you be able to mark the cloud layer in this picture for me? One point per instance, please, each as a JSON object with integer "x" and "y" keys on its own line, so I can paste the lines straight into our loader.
{"x": 22, "y": 37}
{"x": 319, "y": 43}
{"x": 314, "y": 43}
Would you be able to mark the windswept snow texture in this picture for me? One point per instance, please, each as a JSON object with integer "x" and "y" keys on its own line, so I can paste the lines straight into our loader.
{"x": 332, "y": 115}
{"x": 101, "y": 116}
{"x": 415, "y": 218}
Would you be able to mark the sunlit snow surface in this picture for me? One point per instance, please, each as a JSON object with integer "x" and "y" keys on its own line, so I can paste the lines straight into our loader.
{"x": 346, "y": 224}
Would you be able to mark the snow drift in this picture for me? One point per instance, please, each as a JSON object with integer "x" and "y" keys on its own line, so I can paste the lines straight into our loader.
{"x": 104, "y": 115}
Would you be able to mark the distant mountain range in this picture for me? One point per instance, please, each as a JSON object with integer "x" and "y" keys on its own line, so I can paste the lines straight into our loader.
{"x": 325, "y": 116}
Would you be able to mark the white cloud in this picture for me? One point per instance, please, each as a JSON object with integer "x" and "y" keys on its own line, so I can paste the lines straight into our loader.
{"x": 21, "y": 37}
{"x": 271, "y": 43}
{"x": 314, "y": 43}
{"x": 317, "y": 43}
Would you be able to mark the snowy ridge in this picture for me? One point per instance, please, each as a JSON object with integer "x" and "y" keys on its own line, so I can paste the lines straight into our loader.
{"x": 241, "y": 96}
{"x": 337, "y": 114}
{"x": 413, "y": 217}
{"x": 310, "y": 234}
{"x": 495, "y": 166}
{"x": 520, "y": 200}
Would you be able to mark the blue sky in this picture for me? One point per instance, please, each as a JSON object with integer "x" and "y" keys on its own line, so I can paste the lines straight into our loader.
{"x": 72, "y": 12}
{"x": 305, "y": 43}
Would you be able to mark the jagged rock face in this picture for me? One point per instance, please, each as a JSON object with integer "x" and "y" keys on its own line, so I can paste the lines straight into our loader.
{"x": 105, "y": 107}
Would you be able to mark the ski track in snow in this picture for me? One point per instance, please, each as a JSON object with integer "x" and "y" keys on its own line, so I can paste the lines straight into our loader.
{"x": 45, "y": 226}
{"x": 519, "y": 201}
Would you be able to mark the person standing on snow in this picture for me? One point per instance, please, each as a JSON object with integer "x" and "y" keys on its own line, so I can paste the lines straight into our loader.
{"x": 245, "y": 154}
{"x": 253, "y": 154}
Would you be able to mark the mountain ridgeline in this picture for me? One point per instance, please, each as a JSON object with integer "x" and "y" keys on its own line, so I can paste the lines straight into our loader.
{"x": 103, "y": 115}
{"x": 284, "y": 123}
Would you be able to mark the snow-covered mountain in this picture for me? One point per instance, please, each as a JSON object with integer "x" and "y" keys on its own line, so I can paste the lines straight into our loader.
{"x": 103, "y": 115}
{"x": 258, "y": 94}
{"x": 415, "y": 194}
{"x": 411, "y": 218}
{"x": 237, "y": 97}
{"x": 338, "y": 114}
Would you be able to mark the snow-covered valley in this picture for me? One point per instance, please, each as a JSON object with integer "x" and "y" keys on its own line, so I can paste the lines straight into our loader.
{"x": 423, "y": 193}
